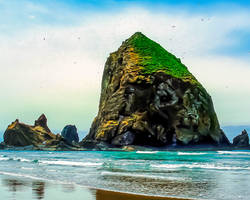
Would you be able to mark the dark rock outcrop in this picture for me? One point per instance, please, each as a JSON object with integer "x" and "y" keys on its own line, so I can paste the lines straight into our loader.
{"x": 69, "y": 133}
{"x": 42, "y": 121}
{"x": 241, "y": 140}
{"x": 124, "y": 139}
{"x": 20, "y": 134}
{"x": 149, "y": 97}
{"x": 2, "y": 145}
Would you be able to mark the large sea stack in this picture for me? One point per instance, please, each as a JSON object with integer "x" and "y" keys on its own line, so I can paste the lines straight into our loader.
{"x": 149, "y": 97}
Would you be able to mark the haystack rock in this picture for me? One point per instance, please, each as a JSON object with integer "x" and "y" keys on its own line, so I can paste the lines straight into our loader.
{"x": 70, "y": 134}
{"x": 149, "y": 97}
{"x": 19, "y": 134}
{"x": 241, "y": 140}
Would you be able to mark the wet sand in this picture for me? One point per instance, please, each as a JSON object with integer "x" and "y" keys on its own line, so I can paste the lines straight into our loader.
{"x": 109, "y": 195}
{"x": 19, "y": 188}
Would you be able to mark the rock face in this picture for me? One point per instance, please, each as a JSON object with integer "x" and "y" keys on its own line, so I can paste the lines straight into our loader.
{"x": 149, "y": 97}
{"x": 19, "y": 134}
{"x": 42, "y": 121}
{"x": 70, "y": 134}
{"x": 241, "y": 140}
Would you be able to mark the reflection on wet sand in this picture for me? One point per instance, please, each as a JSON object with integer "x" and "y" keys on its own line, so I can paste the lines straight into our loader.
{"x": 68, "y": 188}
{"x": 28, "y": 189}
{"x": 14, "y": 185}
{"x": 38, "y": 188}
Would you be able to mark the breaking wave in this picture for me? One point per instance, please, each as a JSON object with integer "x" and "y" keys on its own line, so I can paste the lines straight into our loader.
{"x": 52, "y": 162}
{"x": 22, "y": 175}
{"x": 190, "y": 153}
{"x": 70, "y": 163}
{"x": 148, "y": 176}
{"x": 147, "y": 152}
{"x": 201, "y": 166}
{"x": 233, "y": 152}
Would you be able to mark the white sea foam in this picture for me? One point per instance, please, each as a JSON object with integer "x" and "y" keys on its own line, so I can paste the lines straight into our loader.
{"x": 35, "y": 178}
{"x": 21, "y": 159}
{"x": 147, "y": 152}
{"x": 52, "y": 170}
{"x": 197, "y": 165}
{"x": 3, "y": 158}
{"x": 190, "y": 153}
{"x": 15, "y": 159}
{"x": 22, "y": 175}
{"x": 234, "y": 152}
{"x": 120, "y": 174}
{"x": 27, "y": 168}
{"x": 69, "y": 163}
{"x": 53, "y": 162}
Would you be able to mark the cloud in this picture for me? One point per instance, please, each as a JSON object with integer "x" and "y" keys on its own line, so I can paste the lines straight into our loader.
{"x": 57, "y": 69}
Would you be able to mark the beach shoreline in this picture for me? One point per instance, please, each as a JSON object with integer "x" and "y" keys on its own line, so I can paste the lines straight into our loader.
{"x": 144, "y": 175}
{"x": 19, "y": 188}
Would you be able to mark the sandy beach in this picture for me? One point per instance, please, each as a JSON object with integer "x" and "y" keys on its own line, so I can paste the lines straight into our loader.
{"x": 109, "y": 195}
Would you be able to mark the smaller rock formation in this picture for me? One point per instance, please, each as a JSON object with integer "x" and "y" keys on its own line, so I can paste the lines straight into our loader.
{"x": 69, "y": 133}
{"x": 241, "y": 140}
{"x": 20, "y": 134}
{"x": 2, "y": 145}
{"x": 42, "y": 121}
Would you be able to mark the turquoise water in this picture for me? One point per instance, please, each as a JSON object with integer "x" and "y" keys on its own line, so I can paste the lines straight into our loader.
{"x": 199, "y": 175}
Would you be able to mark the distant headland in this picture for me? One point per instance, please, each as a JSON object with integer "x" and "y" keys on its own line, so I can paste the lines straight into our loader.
{"x": 149, "y": 99}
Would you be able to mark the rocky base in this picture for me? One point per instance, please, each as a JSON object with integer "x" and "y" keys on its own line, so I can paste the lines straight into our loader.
{"x": 60, "y": 147}
{"x": 107, "y": 147}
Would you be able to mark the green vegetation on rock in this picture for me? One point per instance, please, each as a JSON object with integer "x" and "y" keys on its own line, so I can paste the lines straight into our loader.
{"x": 153, "y": 57}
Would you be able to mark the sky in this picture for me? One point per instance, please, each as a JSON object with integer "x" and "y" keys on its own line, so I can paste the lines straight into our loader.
{"x": 53, "y": 53}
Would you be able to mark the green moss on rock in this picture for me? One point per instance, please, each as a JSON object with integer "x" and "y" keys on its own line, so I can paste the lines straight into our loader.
{"x": 153, "y": 57}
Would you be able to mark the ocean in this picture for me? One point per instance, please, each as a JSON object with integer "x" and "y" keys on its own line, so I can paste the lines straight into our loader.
{"x": 216, "y": 175}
